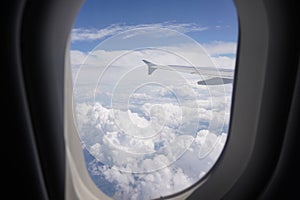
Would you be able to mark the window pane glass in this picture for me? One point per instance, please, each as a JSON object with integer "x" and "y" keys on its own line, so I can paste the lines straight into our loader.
{"x": 152, "y": 92}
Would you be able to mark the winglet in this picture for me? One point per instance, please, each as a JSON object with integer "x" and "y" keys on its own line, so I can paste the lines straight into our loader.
{"x": 151, "y": 67}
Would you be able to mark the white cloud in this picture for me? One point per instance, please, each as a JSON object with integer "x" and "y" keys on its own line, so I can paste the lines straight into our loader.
{"x": 156, "y": 140}
{"x": 179, "y": 55}
{"x": 83, "y": 34}
{"x": 145, "y": 186}
{"x": 188, "y": 169}
{"x": 124, "y": 155}
{"x": 77, "y": 57}
{"x": 220, "y": 47}
{"x": 128, "y": 71}
{"x": 224, "y": 61}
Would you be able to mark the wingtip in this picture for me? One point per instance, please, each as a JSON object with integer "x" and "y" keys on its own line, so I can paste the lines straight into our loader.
{"x": 146, "y": 61}
{"x": 151, "y": 66}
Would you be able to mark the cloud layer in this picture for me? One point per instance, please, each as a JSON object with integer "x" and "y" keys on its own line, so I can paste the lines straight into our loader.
{"x": 154, "y": 167}
{"x": 83, "y": 34}
{"x": 149, "y": 135}
{"x": 217, "y": 51}
{"x": 143, "y": 167}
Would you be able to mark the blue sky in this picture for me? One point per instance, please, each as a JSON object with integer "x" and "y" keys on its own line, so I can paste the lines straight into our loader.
{"x": 204, "y": 21}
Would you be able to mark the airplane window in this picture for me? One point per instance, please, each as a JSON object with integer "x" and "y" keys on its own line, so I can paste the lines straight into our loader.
{"x": 152, "y": 87}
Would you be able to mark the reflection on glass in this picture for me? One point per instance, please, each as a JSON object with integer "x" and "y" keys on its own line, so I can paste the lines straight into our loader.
{"x": 152, "y": 108}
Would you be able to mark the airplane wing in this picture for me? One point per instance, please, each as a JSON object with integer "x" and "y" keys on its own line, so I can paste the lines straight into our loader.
{"x": 214, "y": 76}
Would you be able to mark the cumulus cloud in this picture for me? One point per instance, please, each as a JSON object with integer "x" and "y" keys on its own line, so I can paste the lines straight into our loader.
{"x": 150, "y": 135}
{"x": 142, "y": 167}
{"x": 83, "y": 34}
{"x": 147, "y": 186}
{"x": 187, "y": 170}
